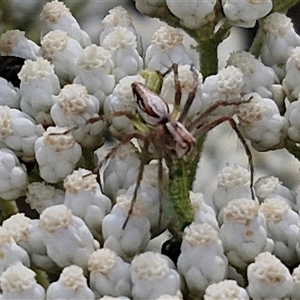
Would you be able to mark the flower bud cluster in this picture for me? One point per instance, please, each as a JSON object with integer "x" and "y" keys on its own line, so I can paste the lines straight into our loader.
{"x": 201, "y": 13}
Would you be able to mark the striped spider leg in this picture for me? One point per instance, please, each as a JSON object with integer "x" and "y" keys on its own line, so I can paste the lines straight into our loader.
{"x": 200, "y": 125}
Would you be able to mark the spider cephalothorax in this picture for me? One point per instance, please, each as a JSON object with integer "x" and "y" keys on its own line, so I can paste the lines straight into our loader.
{"x": 167, "y": 134}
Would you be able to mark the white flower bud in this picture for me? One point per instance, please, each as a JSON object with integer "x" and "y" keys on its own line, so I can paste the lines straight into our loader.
{"x": 119, "y": 17}
{"x": 257, "y": 77}
{"x": 122, "y": 44}
{"x": 122, "y": 240}
{"x": 194, "y": 14}
{"x": 268, "y": 278}
{"x": 283, "y": 226}
{"x": 13, "y": 176}
{"x": 227, "y": 289}
{"x": 296, "y": 287}
{"x": 11, "y": 252}
{"x": 271, "y": 187}
{"x": 153, "y": 275}
{"x": 9, "y": 95}
{"x": 244, "y": 232}
{"x": 95, "y": 69}
{"x": 226, "y": 85}
{"x": 83, "y": 196}
{"x": 109, "y": 274}
{"x": 56, "y": 16}
{"x": 14, "y": 42}
{"x": 186, "y": 81}
{"x": 233, "y": 183}
{"x": 150, "y": 7}
{"x": 280, "y": 37}
{"x": 203, "y": 212}
{"x": 38, "y": 85}
{"x": 72, "y": 285}
{"x": 73, "y": 108}
{"x": 18, "y": 282}
{"x": 178, "y": 296}
{"x": 245, "y": 13}
{"x": 62, "y": 231}
{"x": 260, "y": 121}
{"x": 41, "y": 195}
{"x": 201, "y": 244}
{"x": 113, "y": 298}
{"x": 290, "y": 82}
{"x": 121, "y": 99}
{"x": 63, "y": 52}
{"x": 165, "y": 49}
{"x": 121, "y": 171}
{"x": 292, "y": 114}
{"x": 56, "y": 153}
{"x": 18, "y": 131}
{"x": 27, "y": 234}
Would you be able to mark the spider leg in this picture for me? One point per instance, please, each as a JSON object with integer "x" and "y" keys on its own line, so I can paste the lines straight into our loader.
{"x": 126, "y": 138}
{"x": 138, "y": 180}
{"x": 118, "y": 113}
{"x": 160, "y": 189}
{"x": 177, "y": 90}
{"x": 191, "y": 96}
{"x": 196, "y": 122}
{"x": 207, "y": 127}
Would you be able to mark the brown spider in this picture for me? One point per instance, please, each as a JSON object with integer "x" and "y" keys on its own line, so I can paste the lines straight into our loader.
{"x": 166, "y": 132}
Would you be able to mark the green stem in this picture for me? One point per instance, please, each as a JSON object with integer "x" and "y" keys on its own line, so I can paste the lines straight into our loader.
{"x": 257, "y": 41}
{"x": 88, "y": 160}
{"x": 193, "y": 160}
{"x": 208, "y": 52}
{"x": 7, "y": 209}
{"x": 41, "y": 277}
{"x": 179, "y": 194}
{"x": 207, "y": 45}
{"x": 283, "y": 6}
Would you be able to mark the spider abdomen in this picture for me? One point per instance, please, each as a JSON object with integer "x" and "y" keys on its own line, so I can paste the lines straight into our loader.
{"x": 151, "y": 107}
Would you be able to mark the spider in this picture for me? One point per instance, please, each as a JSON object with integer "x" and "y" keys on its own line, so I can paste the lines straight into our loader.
{"x": 169, "y": 134}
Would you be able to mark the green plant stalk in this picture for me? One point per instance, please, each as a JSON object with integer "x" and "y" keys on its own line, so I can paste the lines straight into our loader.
{"x": 179, "y": 197}
{"x": 7, "y": 209}
{"x": 283, "y": 6}
{"x": 41, "y": 277}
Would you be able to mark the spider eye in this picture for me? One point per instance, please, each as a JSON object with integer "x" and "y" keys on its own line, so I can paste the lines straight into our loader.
{"x": 151, "y": 107}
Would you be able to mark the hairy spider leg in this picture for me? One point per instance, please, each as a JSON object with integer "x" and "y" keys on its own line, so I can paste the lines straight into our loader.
{"x": 191, "y": 96}
{"x": 138, "y": 180}
{"x": 199, "y": 118}
{"x": 146, "y": 139}
{"x": 178, "y": 93}
{"x": 160, "y": 185}
{"x": 204, "y": 128}
{"x": 126, "y": 139}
